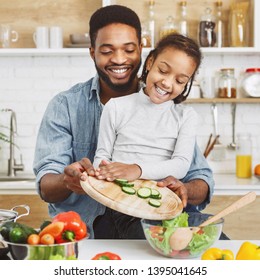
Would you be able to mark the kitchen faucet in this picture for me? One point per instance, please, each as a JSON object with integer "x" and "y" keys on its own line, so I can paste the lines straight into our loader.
{"x": 12, "y": 165}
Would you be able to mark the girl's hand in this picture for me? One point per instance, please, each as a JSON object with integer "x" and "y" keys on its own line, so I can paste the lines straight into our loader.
{"x": 116, "y": 170}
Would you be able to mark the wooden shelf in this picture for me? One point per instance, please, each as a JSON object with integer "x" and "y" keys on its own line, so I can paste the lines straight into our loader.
{"x": 223, "y": 100}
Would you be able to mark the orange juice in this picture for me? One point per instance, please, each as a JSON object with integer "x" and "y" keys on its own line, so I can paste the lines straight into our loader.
{"x": 244, "y": 166}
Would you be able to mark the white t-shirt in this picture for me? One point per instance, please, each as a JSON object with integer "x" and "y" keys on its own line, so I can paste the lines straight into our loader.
{"x": 160, "y": 138}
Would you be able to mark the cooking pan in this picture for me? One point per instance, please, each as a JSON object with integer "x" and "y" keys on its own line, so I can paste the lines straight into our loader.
{"x": 12, "y": 215}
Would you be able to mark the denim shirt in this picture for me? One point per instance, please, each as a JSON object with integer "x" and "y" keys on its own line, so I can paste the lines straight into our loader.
{"x": 69, "y": 132}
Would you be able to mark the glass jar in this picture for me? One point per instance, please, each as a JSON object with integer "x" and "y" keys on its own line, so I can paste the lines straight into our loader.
{"x": 219, "y": 25}
{"x": 183, "y": 19}
{"x": 244, "y": 156}
{"x": 251, "y": 82}
{"x": 238, "y": 20}
{"x": 151, "y": 27}
{"x": 146, "y": 36}
{"x": 206, "y": 33}
{"x": 169, "y": 27}
{"x": 227, "y": 84}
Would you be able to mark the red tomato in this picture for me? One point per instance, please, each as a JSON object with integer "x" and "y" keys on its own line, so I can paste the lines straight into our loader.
{"x": 106, "y": 256}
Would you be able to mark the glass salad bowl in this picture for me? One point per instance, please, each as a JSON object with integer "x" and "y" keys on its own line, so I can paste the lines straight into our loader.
{"x": 181, "y": 238}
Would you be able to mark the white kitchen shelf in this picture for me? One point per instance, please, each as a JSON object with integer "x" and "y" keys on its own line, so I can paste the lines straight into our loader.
{"x": 85, "y": 52}
{"x": 230, "y": 51}
{"x": 44, "y": 52}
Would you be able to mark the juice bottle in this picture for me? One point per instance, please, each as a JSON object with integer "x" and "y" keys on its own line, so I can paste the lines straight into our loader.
{"x": 243, "y": 156}
{"x": 244, "y": 166}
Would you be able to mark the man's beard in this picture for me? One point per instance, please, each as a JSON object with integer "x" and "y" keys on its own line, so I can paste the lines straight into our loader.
{"x": 118, "y": 87}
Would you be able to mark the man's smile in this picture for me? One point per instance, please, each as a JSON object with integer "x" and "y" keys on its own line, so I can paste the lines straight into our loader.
{"x": 119, "y": 73}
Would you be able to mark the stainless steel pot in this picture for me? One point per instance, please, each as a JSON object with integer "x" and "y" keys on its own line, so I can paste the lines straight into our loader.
{"x": 63, "y": 251}
{"x": 12, "y": 215}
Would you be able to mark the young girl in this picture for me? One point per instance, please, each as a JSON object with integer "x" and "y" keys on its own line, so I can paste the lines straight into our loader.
{"x": 149, "y": 134}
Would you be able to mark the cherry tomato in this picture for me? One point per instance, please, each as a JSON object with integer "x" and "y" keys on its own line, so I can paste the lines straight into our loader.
{"x": 33, "y": 239}
{"x": 47, "y": 239}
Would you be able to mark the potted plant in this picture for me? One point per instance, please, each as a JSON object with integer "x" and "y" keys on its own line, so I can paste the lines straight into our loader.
{"x": 3, "y": 136}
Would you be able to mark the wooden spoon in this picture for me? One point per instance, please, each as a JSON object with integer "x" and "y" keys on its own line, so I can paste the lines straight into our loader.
{"x": 182, "y": 236}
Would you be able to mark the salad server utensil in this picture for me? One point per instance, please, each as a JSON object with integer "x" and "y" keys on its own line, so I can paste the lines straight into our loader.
{"x": 186, "y": 234}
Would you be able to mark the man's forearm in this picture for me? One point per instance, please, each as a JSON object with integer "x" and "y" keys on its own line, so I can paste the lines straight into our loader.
{"x": 198, "y": 191}
{"x": 53, "y": 188}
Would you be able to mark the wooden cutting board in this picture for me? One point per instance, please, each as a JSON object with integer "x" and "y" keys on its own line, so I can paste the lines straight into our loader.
{"x": 112, "y": 196}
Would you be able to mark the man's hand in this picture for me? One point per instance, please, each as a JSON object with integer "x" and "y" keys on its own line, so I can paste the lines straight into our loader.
{"x": 116, "y": 170}
{"x": 176, "y": 186}
{"x": 73, "y": 173}
{"x": 58, "y": 187}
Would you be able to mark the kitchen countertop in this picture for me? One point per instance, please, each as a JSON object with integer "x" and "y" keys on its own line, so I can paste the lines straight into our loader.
{"x": 229, "y": 184}
{"x": 23, "y": 183}
{"x": 226, "y": 184}
{"x": 139, "y": 249}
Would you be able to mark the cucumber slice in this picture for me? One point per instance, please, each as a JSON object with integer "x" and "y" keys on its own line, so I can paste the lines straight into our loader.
{"x": 155, "y": 194}
{"x": 129, "y": 185}
{"x": 154, "y": 202}
{"x": 121, "y": 181}
{"x": 128, "y": 190}
{"x": 144, "y": 192}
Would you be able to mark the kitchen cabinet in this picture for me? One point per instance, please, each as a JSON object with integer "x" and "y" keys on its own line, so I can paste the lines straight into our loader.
{"x": 242, "y": 224}
{"x": 249, "y": 216}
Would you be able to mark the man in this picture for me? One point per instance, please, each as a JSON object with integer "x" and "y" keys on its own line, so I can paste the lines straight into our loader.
{"x": 67, "y": 138}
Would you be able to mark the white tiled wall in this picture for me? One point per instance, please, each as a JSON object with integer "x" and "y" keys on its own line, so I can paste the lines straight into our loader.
{"x": 27, "y": 83}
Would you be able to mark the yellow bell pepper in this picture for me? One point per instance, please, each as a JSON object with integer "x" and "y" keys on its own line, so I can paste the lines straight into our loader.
{"x": 248, "y": 251}
{"x": 217, "y": 254}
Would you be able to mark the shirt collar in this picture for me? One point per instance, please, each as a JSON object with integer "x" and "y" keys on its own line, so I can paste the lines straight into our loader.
{"x": 95, "y": 88}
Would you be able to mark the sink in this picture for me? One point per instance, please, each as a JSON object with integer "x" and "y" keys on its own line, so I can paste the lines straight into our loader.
{"x": 18, "y": 178}
{"x": 22, "y": 183}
